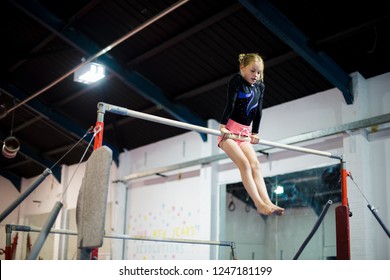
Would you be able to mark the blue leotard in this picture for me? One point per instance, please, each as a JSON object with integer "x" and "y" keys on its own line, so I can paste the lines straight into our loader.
{"x": 244, "y": 103}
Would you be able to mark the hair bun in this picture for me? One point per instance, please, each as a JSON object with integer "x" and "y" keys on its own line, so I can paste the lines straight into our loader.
{"x": 241, "y": 57}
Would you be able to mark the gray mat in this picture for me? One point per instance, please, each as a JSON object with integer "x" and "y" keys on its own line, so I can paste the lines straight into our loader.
{"x": 92, "y": 199}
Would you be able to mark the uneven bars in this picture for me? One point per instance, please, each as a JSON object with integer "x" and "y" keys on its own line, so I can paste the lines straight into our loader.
{"x": 103, "y": 107}
{"x": 124, "y": 236}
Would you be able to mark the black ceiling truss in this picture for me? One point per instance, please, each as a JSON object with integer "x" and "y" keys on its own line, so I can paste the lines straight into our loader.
{"x": 293, "y": 37}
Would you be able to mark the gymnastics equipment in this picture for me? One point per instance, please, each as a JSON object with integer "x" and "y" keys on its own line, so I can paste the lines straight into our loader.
{"x": 314, "y": 229}
{"x": 342, "y": 211}
{"x": 23, "y": 196}
{"x": 53, "y": 216}
{"x": 372, "y": 208}
{"x": 11, "y": 147}
{"x": 91, "y": 205}
{"x": 45, "y": 231}
{"x": 374, "y": 212}
{"x": 92, "y": 201}
{"x": 12, "y": 227}
{"x": 104, "y": 107}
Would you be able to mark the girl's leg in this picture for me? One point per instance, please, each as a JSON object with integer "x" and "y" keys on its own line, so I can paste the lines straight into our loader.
{"x": 258, "y": 176}
{"x": 232, "y": 149}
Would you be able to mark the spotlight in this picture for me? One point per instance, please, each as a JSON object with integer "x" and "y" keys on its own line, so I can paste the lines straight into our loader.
{"x": 89, "y": 73}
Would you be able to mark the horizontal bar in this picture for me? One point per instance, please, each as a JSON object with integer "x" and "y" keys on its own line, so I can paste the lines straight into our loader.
{"x": 290, "y": 140}
{"x": 123, "y": 236}
{"x": 126, "y": 112}
{"x": 172, "y": 240}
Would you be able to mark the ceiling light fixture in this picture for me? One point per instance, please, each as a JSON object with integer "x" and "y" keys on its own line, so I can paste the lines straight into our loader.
{"x": 89, "y": 73}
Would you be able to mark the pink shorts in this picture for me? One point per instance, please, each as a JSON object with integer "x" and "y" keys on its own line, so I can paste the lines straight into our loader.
{"x": 238, "y": 129}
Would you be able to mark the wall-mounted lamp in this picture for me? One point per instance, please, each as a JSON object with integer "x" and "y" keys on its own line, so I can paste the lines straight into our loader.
{"x": 89, "y": 73}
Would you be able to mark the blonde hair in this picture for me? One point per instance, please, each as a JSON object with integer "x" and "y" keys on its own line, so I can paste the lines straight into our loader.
{"x": 247, "y": 58}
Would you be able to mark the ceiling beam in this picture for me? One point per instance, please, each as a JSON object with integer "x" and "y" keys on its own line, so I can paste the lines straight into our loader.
{"x": 161, "y": 47}
{"x": 277, "y": 23}
{"x": 187, "y": 33}
{"x": 131, "y": 78}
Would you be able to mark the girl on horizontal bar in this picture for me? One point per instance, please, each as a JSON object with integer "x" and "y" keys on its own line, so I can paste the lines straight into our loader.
{"x": 242, "y": 117}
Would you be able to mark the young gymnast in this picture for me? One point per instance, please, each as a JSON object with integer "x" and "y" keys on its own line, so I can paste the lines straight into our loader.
{"x": 242, "y": 117}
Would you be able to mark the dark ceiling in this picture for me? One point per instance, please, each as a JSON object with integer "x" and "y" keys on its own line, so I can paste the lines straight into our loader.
{"x": 168, "y": 58}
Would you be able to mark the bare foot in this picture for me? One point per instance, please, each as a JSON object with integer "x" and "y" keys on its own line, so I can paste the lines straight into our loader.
{"x": 279, "y": 212}
{"x": 276, "y": 209}
{"x": 265, "y": 209}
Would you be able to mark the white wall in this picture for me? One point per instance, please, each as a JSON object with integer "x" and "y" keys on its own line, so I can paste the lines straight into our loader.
{"x": 198, "y": 196}
{"x": 176, "y": 206}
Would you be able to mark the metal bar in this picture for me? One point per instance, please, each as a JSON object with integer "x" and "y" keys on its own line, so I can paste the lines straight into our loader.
{"x": 291, "y": 140}
{"x": 127, "y": 237}
{"x": 374, "y": 212}
{"x": 24, "y": 195}
{"x": 45, "y": 231}
{"x": 314, "y": 229}
{"x": 126, "y": 112}
{"x": 171, "y": 240}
